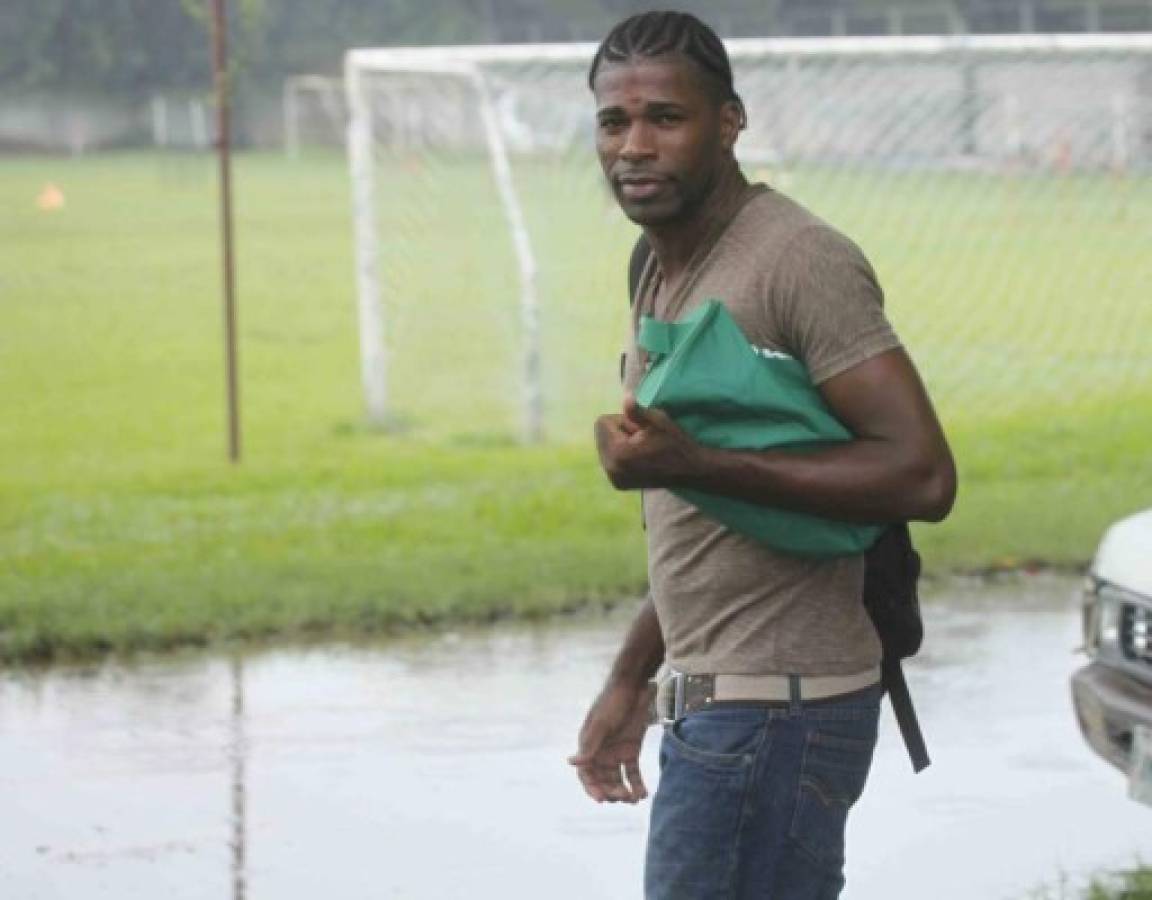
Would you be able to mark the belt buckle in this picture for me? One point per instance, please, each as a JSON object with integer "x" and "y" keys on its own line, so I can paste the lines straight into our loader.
{"x": 677, "y": 681}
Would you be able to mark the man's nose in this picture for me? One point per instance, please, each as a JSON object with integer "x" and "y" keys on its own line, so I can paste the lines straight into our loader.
{"x": 638, "y": 142}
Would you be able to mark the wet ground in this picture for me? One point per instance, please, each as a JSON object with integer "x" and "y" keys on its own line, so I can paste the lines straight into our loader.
{"x": 434, "y": 768}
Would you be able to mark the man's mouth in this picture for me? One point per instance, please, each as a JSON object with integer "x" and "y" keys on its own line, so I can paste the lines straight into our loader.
{"x": 640, "y": 187}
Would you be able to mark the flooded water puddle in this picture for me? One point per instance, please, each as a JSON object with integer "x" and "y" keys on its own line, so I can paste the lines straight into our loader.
{"x": 434, "y": 768}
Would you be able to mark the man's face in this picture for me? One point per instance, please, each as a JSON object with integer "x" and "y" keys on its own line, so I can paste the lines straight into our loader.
{"x": 661, "y": 136}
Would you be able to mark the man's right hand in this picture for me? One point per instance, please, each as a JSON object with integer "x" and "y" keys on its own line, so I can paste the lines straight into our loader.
{"x": 608, "y": 761}
{"x": 644, "y": 448}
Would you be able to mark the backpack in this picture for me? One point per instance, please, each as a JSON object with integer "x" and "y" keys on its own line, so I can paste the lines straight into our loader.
{"x": 891, "y": 573}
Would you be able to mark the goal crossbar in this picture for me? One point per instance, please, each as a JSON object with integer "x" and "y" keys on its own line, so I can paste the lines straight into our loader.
{"x": 738, "y": 48}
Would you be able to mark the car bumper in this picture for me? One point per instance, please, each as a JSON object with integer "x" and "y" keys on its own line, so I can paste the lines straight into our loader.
{"x": 1109, "y": 706}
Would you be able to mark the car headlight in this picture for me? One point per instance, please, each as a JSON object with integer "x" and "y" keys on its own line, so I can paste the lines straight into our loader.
{"x": 1089, "y": 618}
{"x": 1109, "y": 602}
{"x": 1117, "y": 623}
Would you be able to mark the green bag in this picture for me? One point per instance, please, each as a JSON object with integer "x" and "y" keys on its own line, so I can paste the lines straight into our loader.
{"x": 704, "y": 373}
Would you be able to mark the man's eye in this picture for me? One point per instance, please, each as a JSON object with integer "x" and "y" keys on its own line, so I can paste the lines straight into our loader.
{"x": 668, "y": 118}
{"x": 612, "y": 124}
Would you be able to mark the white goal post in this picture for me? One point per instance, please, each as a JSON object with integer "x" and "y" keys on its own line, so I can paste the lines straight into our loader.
{"x": 775, "y": 138}
{"x": 360, "y": 144}
{"x": 329, "y": 94}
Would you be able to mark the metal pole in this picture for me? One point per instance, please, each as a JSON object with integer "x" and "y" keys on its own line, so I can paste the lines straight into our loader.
{"x": 159, "y": 121}
{"x": 525, "y": 258}
{"x": 969, "y": 105}
{"x": 288, "y": 105}
{"x": 224, "y": 146}
{"x": 373, "y": 350}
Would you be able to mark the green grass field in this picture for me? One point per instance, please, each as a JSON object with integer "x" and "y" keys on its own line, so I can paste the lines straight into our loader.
{"x": 1129, "y": 884}
{"x": 1024, "y": 301}
{"x": 1135, "y": 884}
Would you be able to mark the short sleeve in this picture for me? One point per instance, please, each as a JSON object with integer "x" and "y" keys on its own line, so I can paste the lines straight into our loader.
{"x": 832, "y": 307}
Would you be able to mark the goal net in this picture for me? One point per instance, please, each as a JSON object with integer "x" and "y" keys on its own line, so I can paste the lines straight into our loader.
{"x": 1002, "y": 186}
{"x": 313, "y": 112}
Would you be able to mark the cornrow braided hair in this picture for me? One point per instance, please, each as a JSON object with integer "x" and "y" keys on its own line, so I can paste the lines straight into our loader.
{"x": 664, "y": 33}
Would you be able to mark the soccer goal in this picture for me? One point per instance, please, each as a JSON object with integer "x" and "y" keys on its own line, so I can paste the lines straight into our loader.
{"x": 1002, "y": 185}
{"x": 313, "y": 111}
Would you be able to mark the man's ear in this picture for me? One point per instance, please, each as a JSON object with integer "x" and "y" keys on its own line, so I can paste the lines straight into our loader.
{"x": 732, "y": 122}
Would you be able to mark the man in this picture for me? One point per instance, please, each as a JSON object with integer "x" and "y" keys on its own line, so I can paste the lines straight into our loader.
{"x": 761, "y": 764}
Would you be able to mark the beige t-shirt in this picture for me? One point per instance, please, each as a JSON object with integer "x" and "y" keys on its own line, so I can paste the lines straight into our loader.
{"x": 727, "y": 604}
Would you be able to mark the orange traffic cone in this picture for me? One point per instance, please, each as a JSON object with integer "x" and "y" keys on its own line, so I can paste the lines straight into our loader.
{"x": 50, "y": 198}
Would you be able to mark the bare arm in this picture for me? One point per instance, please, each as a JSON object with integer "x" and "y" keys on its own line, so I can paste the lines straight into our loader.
{"x": 898, "y": 467}
{"x": 608, "y": 759}
{"x": 642, "y": 651}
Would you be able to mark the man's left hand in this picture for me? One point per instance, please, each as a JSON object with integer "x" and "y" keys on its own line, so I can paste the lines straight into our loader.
{"x": 644, "y": 448}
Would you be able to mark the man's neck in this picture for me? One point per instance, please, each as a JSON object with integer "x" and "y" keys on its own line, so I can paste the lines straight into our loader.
{"x": 675, "y": 242}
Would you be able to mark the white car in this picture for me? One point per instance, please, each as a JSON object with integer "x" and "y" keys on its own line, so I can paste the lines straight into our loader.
{"x": 1113, "y": 693}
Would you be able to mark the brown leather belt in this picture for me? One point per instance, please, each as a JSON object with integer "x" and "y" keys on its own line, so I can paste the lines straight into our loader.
{"x": 681, "y": 693}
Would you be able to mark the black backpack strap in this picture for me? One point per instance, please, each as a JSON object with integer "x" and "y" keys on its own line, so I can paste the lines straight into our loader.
{"x": 636, "y": 264}
{"x": 891, "y": 572}
{"x": 893, "y": 676}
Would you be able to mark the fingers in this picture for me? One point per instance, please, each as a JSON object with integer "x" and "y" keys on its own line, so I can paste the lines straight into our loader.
{"x": 591, "y": 784}
{"x": 610, "y": 428}
{"x": 602, "y": 773}
{"x": 589, "y": 742}
{"x": 605, "y": 427}
{"x": 635, "y": 414}
{"x": 660, "y": 420}
{"x": 608, "y": 748}
{"x": 635, "y": 781}
{"x": 639, "y": 417}
{"x": 595, "y": 779}
{"x": 617, "y": 788}
{"x": 612, "y": 783}
{"x": 628, "y": 427}
{"x": 608, "y": 435}
{"x": 589, "y": 767}
{"x": 609, "y": 773}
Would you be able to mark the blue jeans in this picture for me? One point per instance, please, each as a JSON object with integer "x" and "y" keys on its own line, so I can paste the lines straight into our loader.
{"x": 753, "y": 800}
